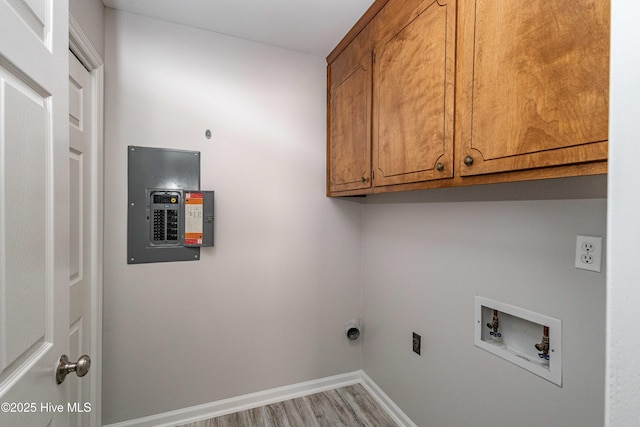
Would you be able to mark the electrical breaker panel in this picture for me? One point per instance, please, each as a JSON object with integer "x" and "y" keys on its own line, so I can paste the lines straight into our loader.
{"x": 180, "y": 217}
{"x": 170, "y": 218}
{"x": 164, "y": 219}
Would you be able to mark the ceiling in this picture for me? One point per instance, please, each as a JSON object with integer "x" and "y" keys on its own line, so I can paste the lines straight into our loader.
{"x": 311, "y": 26}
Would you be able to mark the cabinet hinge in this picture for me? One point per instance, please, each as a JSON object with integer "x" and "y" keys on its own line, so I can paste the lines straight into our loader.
{"x": 373, "y": 56}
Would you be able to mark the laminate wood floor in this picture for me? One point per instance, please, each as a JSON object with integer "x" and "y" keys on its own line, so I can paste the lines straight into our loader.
{"x": 350, "y": 406}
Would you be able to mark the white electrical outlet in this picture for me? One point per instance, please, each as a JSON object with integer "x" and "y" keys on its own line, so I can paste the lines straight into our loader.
{"x": 589, "y": 253}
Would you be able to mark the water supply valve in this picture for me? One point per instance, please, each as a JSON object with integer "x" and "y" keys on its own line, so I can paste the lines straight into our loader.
{"x": 494, "y": 325}
{"x": 543, "y": 347}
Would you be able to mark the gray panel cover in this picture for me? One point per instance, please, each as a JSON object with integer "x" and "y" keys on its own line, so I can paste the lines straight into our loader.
{"x": 207, "y": 226}
{"x": 157, "y": 168}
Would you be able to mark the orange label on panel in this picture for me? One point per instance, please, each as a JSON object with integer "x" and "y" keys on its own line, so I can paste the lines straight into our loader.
{"x": 193, "y": 219}
{"x": 193, "y": 198}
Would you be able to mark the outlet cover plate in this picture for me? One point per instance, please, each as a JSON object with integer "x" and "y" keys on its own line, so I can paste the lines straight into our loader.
{"x": 589, "y": 253}
{"x": 417, "y": 343}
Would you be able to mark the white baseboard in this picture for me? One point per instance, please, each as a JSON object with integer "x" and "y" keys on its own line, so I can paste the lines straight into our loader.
{"x": 387, "y": 404}
{"x": 267, "y": 397}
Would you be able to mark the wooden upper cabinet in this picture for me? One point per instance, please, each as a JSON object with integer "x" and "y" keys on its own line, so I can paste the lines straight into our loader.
{"x": 533, "y": 79}
{"x": 440, "y": 93}
{"x": 413, "y": 95}
{"x": 349, "y": 116}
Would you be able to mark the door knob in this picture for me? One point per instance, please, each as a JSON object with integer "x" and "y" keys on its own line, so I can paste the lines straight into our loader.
{"x": 468, "y": 160}
{"x": 81, "y": 367}
{"x": 439, "y": 166}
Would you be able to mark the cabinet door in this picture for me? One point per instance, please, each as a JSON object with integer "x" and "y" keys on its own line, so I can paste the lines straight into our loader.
{"x": 533, "y": 83}
{"x": 349, "y": 136}
{"x": 413, "y": 96}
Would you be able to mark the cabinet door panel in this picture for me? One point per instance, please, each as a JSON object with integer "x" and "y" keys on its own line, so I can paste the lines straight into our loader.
{"x": 538, "y": 83}
{"x": 413, "y": 97}
{"x": 350, "y": 130}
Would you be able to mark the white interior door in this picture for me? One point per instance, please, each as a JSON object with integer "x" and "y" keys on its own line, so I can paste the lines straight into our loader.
{"x": 81, "y": 223}
{"x": 34, "y": 211}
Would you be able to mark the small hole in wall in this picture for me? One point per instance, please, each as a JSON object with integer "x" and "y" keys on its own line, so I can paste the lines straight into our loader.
{"x": 207, "y": 133}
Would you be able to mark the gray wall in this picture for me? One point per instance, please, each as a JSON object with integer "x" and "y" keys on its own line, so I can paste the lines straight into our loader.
{"x": 426, "y": 255}
{"x": 265, "y": 307}
{"x": 89, "y": 14}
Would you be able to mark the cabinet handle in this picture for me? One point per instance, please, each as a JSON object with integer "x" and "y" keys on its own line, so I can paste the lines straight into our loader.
{"x": 468, "y": 160}
{"x": 439, "y": 167}
{"x": 364, "y": 179}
